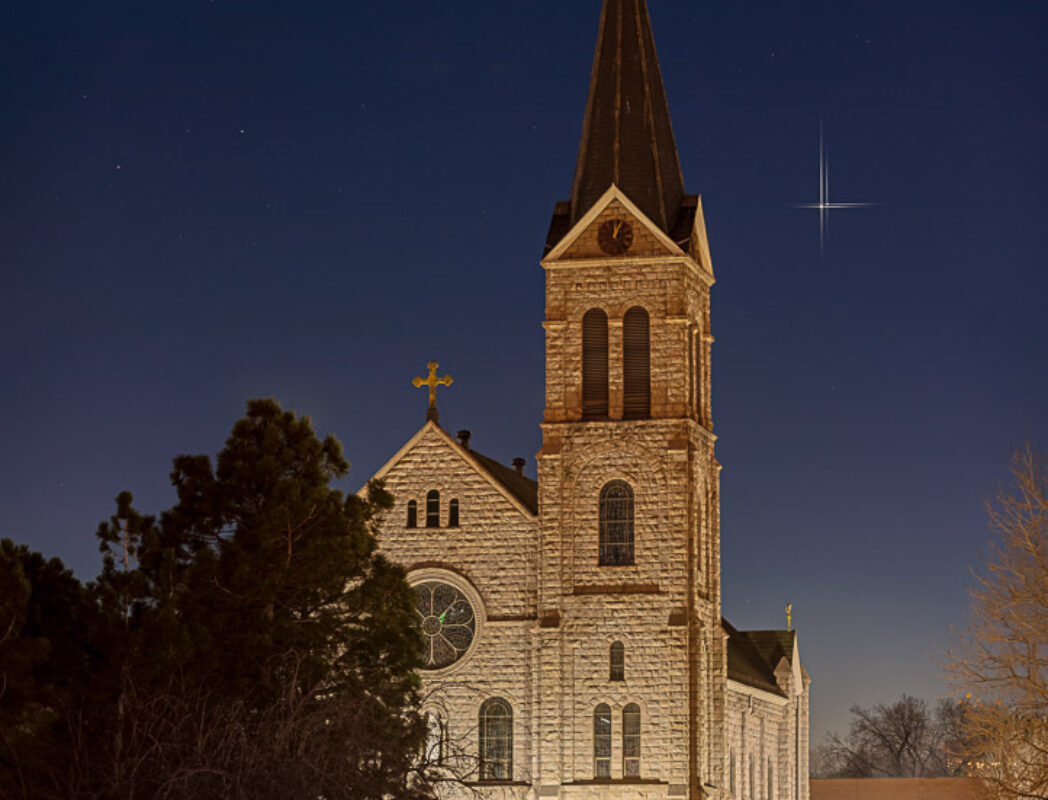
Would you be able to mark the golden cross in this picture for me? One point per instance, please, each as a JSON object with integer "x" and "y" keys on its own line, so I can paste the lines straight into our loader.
{"x": 432, "y": 382}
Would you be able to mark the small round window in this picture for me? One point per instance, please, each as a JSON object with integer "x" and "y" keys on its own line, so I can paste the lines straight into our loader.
{"x": 447, "y": 621}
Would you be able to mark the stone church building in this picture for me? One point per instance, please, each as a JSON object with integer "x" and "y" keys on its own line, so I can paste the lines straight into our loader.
{"x": 575, "y": 644}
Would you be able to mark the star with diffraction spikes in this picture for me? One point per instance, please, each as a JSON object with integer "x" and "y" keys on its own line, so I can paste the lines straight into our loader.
{"x": 824, "y": 205}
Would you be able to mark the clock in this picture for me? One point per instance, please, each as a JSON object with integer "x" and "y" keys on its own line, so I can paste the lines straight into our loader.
{"x": 447, "y": 620}
{"x": 615, "y": 236}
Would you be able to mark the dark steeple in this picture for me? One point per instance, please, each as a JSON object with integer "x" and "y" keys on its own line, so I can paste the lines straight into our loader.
{"x": 627, "y": 138}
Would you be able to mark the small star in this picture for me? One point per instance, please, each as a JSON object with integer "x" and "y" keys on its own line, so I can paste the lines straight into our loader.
{"x": 119, "y": 166}
{"x": 241, "y": 130}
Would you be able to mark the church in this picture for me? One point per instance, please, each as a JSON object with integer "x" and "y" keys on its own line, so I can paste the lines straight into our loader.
{"x": 574, "y": 640}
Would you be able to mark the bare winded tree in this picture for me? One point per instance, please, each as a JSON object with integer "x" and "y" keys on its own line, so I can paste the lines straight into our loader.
{"x": 902, "y": 740}
{"x": 1001, "y": 662}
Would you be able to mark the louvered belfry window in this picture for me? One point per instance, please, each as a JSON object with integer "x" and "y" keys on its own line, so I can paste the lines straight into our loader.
{"x": 636, "y": 364}
{"x": 616, "y": 525}
{"x": 595, "y": 364}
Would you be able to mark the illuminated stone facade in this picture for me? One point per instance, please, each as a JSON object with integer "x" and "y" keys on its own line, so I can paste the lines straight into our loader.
{"x": 548, "y": 591}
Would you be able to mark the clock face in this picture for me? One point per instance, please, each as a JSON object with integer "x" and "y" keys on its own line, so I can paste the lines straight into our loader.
{"x": 447, "y": 621}
{"x": 615, "y": 236}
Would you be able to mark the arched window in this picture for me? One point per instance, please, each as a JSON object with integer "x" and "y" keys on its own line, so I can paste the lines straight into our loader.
{"x": 432, "y": 509}
{"x": 595, "y": 364}
{"x": 453, "y": 514}
{"x": 631, "y": 741}
{"x": 412, "y": 514}
{"x": 495, "y": 723}
{"x": 436, "y": 738}
{"x": 616, "y": 524}
{"x": 618, "y": 662}
{"x": 731, "y": 772}
{"x": 602, "y": 741}
{"x": 636, "y": 364}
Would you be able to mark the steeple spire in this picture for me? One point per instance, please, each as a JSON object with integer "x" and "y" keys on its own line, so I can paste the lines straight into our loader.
{"x": 627, "y": 138}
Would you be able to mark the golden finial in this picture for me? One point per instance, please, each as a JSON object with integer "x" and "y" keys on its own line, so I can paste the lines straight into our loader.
{"x": 789, "y": 616}
{"x": 432, "y": 382}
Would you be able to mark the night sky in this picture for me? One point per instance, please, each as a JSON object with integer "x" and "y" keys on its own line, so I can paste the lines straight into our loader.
{"x": 204, "y": 202}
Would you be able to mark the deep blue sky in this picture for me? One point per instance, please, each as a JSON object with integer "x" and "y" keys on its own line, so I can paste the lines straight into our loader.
{"x": 203, "y": 202}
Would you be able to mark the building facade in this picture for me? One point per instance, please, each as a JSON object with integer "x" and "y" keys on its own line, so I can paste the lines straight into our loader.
{"x": 575, "y": 641}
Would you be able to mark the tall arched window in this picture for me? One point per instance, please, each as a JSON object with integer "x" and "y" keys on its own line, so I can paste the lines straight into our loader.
{"x": 453, "y": 514}
{"x": 412, "y": 514}
{"x": 618, "y": 662}
{"x": 636, "y": 364}
{"x": 432, "y": 509}
{"x": 731, "y": 772}
{"x": 616, "y": 524}
{"x": 631, "y": 741}
{"x": 495, "y": 723}
{"x": 594, "y": 364}
{"x": 602, "y": 741}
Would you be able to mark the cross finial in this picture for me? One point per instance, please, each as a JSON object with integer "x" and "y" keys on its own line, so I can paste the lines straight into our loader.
{"x": 432, "y": 381}
{"x": 789, "y": 616}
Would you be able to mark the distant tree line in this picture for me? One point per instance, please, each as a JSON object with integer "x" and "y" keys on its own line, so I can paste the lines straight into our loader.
{"x": 249, "y": 642}
{"x": 904, "y": 739}
{"x": 998, "y": 729}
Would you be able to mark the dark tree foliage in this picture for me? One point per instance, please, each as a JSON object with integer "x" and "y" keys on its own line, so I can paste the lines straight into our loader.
{"x": 904, "y": 739}
{"x": 249, "y": 642}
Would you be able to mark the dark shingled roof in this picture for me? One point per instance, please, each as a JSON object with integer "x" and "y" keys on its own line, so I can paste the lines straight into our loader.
{"x": 754, "y": 655}
{"x": 523, "y": 488}
{"x": 627, "y": 137}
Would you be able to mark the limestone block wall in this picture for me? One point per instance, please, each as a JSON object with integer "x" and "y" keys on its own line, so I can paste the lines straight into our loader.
{"x": 494, "y": 552}
{"x": 764, "y": 727}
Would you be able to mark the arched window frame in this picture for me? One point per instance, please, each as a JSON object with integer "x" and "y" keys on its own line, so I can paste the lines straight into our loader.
{"x": 615, "y": 543}
{"x": 495, "y": 728}
{"x": 412, "y": 514}
{"x": 432, "y": 509}
{"x": 453, "y": 513}
{"x": 595, "y": 364}
{"x": 617, "y": 662}
{"x": 602, "y": 741}
{"x": 636, "y": 364}
{"x": 631, "y": 741}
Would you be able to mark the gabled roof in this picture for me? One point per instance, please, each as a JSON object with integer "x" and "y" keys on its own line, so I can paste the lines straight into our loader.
{"x": 522, "y": 487}
{"x": 627, "y": 137}
{"x": 754, "y": 655}
{"x": 516, "y": 487}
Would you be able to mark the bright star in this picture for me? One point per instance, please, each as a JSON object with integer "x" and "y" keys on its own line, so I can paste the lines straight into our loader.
{"x": 824, "y": 205}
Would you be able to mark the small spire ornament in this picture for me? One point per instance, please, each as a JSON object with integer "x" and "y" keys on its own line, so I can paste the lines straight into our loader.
{"x": 432, "y": 382}
{"x": 789, "y": 616}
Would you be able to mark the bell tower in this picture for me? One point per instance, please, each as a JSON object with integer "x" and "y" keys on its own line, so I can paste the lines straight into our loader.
{"x": 628, "y": 583}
